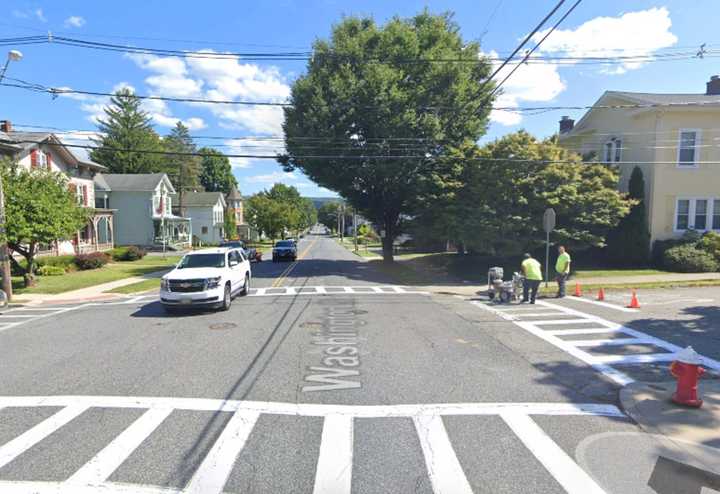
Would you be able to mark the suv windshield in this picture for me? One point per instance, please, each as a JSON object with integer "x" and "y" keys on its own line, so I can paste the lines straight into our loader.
{"x": 284, "y": 243}
{"x": 203, "y": 261}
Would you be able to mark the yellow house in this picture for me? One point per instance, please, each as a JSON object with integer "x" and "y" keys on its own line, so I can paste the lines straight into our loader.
{"x": 673, "y": 138}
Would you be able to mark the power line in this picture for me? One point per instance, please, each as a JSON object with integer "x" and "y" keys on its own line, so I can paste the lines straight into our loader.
{"x": 65, "y": 91}
{"x": 537, "y": 45}
{"x": 307, "y": 55}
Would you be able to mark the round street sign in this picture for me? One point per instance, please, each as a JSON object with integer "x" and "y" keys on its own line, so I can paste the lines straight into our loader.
{"x": 549, "y": 220}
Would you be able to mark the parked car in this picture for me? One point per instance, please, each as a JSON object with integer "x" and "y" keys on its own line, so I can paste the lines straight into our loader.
{"x": 206, "y": 278}
{"x": 284, "y": 249}
{"x": 251, "y": 253}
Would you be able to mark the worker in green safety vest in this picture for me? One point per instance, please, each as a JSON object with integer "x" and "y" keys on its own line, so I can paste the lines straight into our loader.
{"x": 562, "y": 268}
{"x": 533, "y": 276}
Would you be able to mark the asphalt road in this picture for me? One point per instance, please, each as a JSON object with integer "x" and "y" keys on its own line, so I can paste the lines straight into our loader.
{"x": 327, "y": 379}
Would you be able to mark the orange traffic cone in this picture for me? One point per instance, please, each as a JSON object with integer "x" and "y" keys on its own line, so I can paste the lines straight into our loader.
{"x": 634, "y": 304}
{"x": 578, "y": 290}
{"x": 601, "y": 294}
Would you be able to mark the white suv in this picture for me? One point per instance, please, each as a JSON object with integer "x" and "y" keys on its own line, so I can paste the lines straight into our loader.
{"x": 207, "y": 278}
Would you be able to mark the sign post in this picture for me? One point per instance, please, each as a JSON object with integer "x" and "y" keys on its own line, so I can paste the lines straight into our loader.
{"x": 548, "y": 226}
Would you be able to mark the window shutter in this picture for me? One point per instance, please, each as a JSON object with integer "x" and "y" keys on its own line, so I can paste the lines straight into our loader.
{"x": 49, "y": 161}
{"x": 85, "y": 195}
{"x": 33, "y": 159}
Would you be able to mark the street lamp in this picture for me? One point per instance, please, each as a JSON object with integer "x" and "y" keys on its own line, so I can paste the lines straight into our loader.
{"x": 12, "y": 56}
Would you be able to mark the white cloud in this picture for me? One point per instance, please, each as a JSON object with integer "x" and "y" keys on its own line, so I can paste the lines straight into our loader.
{"x": 530, "y": 82}
{"x": 170, "y": 77}
{"x": 639, "y": 33}
{"x": 30, "y": 13}
{"x": 272, "y": 178}
{"x": 192, "y": 123}
{"x": 74, "y": 21}
{"x": 259, "y": 147}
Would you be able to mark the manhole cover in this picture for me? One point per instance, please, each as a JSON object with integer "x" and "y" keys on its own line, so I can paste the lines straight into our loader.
{"x": 223, "y": 325}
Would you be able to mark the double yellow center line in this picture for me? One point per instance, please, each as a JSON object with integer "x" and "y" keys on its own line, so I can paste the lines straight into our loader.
{"x": 278, "y": 281}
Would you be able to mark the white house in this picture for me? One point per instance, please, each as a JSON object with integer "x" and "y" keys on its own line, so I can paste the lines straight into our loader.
{"x": 206, "y": 210}
{"x": 44, "y": 151}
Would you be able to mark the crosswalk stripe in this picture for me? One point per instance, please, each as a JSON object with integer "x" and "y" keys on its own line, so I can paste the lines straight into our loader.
{"x": 646, "y": 358}
{"x": 215, "y": 469}
{"x": 561, "y": 466}
{"x": 446, "y": 474}
{"x": 11, "y": 450}
{"x": 114, "y": 454}
{"x": 608, "y": 342}
{"x": 334, "y": 467}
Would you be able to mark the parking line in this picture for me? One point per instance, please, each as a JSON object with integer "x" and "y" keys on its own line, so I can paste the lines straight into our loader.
{"x": 114, "y": 454}
{"x": 446, "y": 474}
{"x": 603, "y": 304}
{"x": 10, "y": 450}
{"x": 215, "y": 469}
{"x": 561, "y": 466}
{"x": 334, "y": 466}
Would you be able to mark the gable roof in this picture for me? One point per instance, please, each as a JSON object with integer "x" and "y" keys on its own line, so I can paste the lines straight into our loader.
{"x": 676, "y": 100}
{"x": 135, "y": 182}
{"x": 200, "y": 199}
{"x": 234, "y": 194}
{"x": 21, "y": 140}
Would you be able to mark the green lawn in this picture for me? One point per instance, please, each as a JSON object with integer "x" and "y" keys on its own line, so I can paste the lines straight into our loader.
{"x": 606, "y": 273}
{"x": 83, "y": 279}
{"x": 140, "y": 286}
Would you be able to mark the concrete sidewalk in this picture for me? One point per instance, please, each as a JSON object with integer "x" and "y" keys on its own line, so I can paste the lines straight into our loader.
{"x": 87, "y": 294}
{"x": 650, "y": 406}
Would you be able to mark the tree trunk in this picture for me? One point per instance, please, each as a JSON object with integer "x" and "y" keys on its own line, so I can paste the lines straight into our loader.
{"x": 387, "y": 248}
{"x": 29, "y": 275}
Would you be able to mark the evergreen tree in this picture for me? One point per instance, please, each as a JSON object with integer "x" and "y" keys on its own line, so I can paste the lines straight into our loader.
{"x": 215, "y": 171}
{"x": 127, "y": 127}
{"x": 182, "y": 168}
{"x": 629, "y": 242}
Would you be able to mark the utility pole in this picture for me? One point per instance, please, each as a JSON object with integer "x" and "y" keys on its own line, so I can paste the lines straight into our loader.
{"x": 12, "y": 56}
{"x": 4, "y": 257}
{"x": 342, "y": 224}
{"x": 355, "y": 229}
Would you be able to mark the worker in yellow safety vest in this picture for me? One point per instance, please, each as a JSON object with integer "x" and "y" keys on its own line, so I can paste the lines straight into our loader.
{"x": 533, "y": 276}
{"x": 562, "y": 268}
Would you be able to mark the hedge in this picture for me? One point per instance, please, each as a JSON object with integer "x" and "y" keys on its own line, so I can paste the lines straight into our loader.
{"x": 689, "y": 259}
{"x": 93, "y": 260}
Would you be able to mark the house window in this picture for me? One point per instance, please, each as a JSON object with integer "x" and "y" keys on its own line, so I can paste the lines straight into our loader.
{"x": 695, "y": 214}
{"x": 683, "y": 214}
{"x": 42, "y": 160}
{"x": 79, "y": 194}
{"x": 613, "y": 151}
{"x": 687, "y": 148}
{"x": 701, "y": 214}
{"x": 204, "y": 230}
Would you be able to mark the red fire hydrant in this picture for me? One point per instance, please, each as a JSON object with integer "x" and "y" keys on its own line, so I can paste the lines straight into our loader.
{"x": 686, "y": 369}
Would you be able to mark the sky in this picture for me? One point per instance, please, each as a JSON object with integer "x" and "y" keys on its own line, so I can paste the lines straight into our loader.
{"x": 594, "y": 28}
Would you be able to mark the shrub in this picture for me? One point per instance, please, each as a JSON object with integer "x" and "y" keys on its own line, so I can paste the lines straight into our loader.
{"x": 94, "y": 260}
{"x": 49, "y": 270}
{"x": 129, "y": 253}
{"x": 56, "y": 261}
{"x": 689, "y": 259}
{"x": 690, "y": 237}
{"x": 710, "y": 243}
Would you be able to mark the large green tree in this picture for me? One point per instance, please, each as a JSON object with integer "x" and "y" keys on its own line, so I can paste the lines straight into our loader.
{"x": 124, "y": 129}
{"x": 629, "y": 242}
{"x": 384, "y": 102}
{"x": 39, "y": 209}
{"x": 500, "y": 191}
{"x": 328, "y": 214}
{"x": 267, "y": 215}
{"x": 215, "y": 171}
{"x": 180, "y": 164}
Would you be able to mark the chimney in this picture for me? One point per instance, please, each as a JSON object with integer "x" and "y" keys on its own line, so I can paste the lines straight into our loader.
{"x": 713, "y": 85}
{"x": 5, "y": 126}
{"x": 566, "y": 124}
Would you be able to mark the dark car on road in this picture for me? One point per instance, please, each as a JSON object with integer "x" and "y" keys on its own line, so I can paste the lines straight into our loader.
{"x": 284, "y": 249}
{"x": 250, "y": 252}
